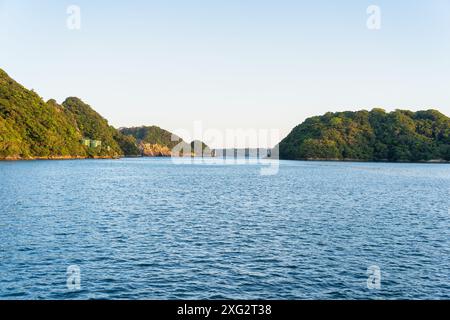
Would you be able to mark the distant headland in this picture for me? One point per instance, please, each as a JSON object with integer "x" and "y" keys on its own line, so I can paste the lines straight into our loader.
{"x": 398, "y": 136}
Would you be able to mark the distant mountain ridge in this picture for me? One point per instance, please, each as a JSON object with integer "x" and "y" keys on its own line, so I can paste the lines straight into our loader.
{"x": 400, "y": 135}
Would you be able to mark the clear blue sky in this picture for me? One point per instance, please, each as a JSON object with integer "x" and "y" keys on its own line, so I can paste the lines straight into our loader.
{"x": 231, "y": 64}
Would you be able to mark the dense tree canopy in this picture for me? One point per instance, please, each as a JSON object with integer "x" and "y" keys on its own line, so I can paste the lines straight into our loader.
{"x": 93, "y": 126}
{"x": 153, "y": 135}
{"x": 153, "y": 140}
{"x": 31, "y": 128}
{"x": 376, "y": 135}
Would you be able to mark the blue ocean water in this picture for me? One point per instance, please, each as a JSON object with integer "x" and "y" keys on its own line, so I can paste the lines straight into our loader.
{"x": 152, "y": 229}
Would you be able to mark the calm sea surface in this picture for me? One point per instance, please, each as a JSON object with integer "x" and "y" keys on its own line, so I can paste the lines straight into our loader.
{"x": 151, "y": 229}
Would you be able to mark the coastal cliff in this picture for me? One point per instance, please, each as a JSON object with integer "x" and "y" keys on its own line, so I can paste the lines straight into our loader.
{"x": 155, "y": 150}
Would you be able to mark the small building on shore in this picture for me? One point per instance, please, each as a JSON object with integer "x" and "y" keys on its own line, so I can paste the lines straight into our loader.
{"x": 91, "y": 143}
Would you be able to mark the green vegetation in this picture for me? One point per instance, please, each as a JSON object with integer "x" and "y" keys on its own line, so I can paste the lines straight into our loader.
{"x": 127, "y": 144}
{"x": 31, "y": 128}
{"x": 199, "y": 148}
{"x": 371, "y": 136}
{"x": 155, "y": 142}
{"x": 94, "y": 127}
{"x": 153, "y": 135}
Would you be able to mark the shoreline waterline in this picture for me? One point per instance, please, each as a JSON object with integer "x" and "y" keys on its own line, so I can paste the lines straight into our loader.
{"x": 67, "y": 158}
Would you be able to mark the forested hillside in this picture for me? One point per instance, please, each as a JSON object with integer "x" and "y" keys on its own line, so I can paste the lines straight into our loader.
{"x": 33, "y": 129}
{"x": 371, "y": 136}
{"x": 30, "y": 127}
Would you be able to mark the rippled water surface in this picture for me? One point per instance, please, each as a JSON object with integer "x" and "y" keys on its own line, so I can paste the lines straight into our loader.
{"x": 150, "y": 229}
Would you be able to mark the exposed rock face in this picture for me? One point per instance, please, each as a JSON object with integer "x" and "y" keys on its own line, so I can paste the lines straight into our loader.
{"x": 154, "y": 150}
{"x": 153, "y": 141}
{"x": 182, "y": 150}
